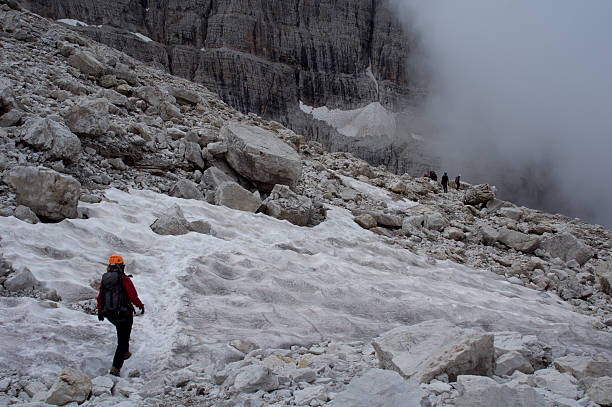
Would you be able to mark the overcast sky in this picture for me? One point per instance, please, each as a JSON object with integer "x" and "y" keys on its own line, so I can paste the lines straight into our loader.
{"x": 521, "y": 96}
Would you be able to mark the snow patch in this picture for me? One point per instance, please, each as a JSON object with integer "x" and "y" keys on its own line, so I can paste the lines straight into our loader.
{"x": 72, "y": 22}
{"x": 377, "y": 193}
{"x": 372, "y": 77}
{"x": 142, "y": 37}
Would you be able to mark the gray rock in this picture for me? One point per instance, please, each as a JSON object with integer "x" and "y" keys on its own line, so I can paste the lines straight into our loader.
{"x": 431, "y": 348}
{"x": 48, "y": 193}
{"x": 118, "y": 164}
{"x": 567, "y": 247}
{"x": 102, "y": 385}
{"x": 435, "y": 221}
{"x": 389, "y": 221}
{"x": 26, "y": 214}
{"x": 308, "y": 395}
{"x": 185, "y": 96}
{"x": 176, "y": 134}
{"x": 509, "y": 362}
{"x": 233, "y": 196}
{"x": 46, "y": 134}
{"x": 11, "y": 118}
{"x": 186, "y": 189}
{"x": 168, "y": 111}
{"x": 11, "y": 111}
{"x": 381, "y": 388}
{"x": 559, "y": 383}
{"x": 304, "y": 375}
{"x": 86, "y": 63}
{"x": 217, "y": 148}
{"x": 366, "y": 221}
{"x": 21, "y": 280}
{"x": 72, "y": 386}
{"x": 604, "y": 275}
{"x": 193, "y": 154}
{"x": 413, "y": 220}
{"x": 454, "y": 234}
{"x": 518, "y": 241}
{"x": 200, "y": 226}
{"x": 171, "y": 222}
{"x": 478, "y": 194}
{"x": 89, "y": 117}
{"x": 213, "y": 177}
{"x": 150, "y": 94}
{"x": 255, "y": 377}
{"x": 259, "y": 156}
{"x": 484, "y": 391}
{"x": 283, "y": 203}
{"x": 584, "y": 366}
{"x": 512, "y": 213}
{"x": 600, "y": 391}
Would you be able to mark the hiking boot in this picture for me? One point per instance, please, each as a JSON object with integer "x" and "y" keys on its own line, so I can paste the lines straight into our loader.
{"x": 127, "y": 355}
{"x": 115, "y": 372}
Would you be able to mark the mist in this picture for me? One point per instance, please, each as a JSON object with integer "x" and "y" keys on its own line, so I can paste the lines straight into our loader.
{"x": 520, "y": 96}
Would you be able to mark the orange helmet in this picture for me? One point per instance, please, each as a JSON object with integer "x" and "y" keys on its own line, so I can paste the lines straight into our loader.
{"x": 115, "y": 259}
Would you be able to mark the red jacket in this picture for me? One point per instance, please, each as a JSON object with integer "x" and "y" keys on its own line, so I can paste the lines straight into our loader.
{"x": 131, "y": 291}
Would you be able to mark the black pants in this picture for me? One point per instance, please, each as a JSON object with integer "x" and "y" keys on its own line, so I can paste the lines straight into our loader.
{"x": 124, "y": 329}
{"x": 445, "y": 186}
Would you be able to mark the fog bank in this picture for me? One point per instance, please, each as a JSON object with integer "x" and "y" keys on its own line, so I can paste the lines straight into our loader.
{"x": 520, "y": 95}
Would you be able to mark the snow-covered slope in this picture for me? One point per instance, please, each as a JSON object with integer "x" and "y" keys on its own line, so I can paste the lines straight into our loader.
{"x": 254, "y": 278}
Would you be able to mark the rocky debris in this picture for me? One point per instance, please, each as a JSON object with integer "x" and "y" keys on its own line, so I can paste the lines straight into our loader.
{"x": 426, "y": 350}
{"x": 193, "y": 154}
{"x": 85, "y": 62}
{"x": 435, "y": 221}
{"x": 583, "y": 366}
{"x": 518, "y": 241}
{"x": 26, "y": 214}
{"x": 604, "y": 275}
{"x": 173, "y": 222}
{"x": 484, "y": 391}
{"x": 567, "y": 247}
{"x": 22, "y": 280}
{"x": 72, "y": 386}
{"x": 259, "y": 156}
{"x": 600, "y": 391}
{"x": 232, "y": 195}
{"x": 283, "y": 203}
{"x": 88, "y": 117}
{"x": 253, "y": 378}
{"x": 45, "y": 134}
{"x": 366, "y": 221}
{"x": 510, "y": 212}
{"x": 49, "y": 194}
{"x": 11, "y": 111}
{"x": 186, "y": 189}
{"x": 213, "y": 177}
{"x": 510, "y": 362}
{"x": 381, "y": 388}
{"x": 102, "y": 385}
{"x": 478, "y": 194}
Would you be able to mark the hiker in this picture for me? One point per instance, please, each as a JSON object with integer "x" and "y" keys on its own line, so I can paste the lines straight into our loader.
{"x": 458, "y": 181}
{"x": 433, "y": 175}
{"x": 116, "y": 301}
{"x": 445, "y": 182}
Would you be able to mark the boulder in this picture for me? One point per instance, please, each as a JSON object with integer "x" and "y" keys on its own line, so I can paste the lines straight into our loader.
{"x": 193, "y": 154}
{"x": 185, "y": 96}
{"x": 199, "y": 226}
{"x": 308, "y": 395}
{"x": 217, "y": 148}
{"x": 381, "y": 388}
{"x": 253, "y": 378}
{"x": 604, "y": 275}
{"x": 600, "y": 391}
{"x": 21, "y": 280}
{"x": 567, "y": 247}
{"x": 484, "y": 391}
{"x": 48, "y": 193}
{"x": 233, "y": 196}
{"x": 11, "y": 111}
{"x": 389, "y": 221}
{"x": 150, "y": 94}
{"x": 171, "y": 222}
{"x": 454, "y": 234}
{"x": 366, "y": 221}
{"x": 518, "y": 241}
{"x": 88, "y": 117}
{"x": 25, "y": 214}
{"x": 48, "y": 135}
{"x": 435, "y": 221}
{"x": 510, "y": 362}
{"x": 510, "y": 212}
{"x": 213, "y": 177}
{"x": 584, "y": 366}
{"x": 283, "y": 203}
{"x": 538, "y": 354}
{"x": 186, "y": 189}
{"x": 259, "y": 156}
{"x": 102, "y": 385}
{"x": 559, "y": 383}
{"x": 478, "y": 194}
{"x": 86, "y": 63}
{"x": 435, "y": 347}
{"x": 168, "y": 111}
{"x": 72, "y": 386}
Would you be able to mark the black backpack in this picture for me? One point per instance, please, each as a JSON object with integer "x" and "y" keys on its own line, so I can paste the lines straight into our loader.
{"x": 115, "y": 301}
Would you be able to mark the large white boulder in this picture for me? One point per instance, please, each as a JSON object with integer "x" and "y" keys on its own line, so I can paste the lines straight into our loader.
{"x": 435, "y": 347}
{"x": 283, "y": 203}
{"x": 259, "y": 156}
{"x": 48, "y": 193}
{"x": 567, "y": 247}
{"x": 72, "y": 386}
{"x": 233, "y": 196}
{"x": 381, "y": 388}
{"x": 48, "y": 135}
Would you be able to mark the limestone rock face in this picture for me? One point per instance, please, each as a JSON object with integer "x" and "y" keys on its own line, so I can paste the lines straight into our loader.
{"x": 48, "y": 135}
{"x": 233, "y": 196}
{"x": 48, "y": 193}
{"x": 72, "y": 386}
{"x": 381, "y": 388}
{"x": 567, "y": 247}
{"x": 425, "y": 350}
{"x": 259, "y": 156}
{"x": 283, "y": 203}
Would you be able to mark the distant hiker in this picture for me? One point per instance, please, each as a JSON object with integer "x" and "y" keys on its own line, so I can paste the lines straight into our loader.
{"x": 458, "y": 182}
{"x": 116, "y": 302}
{"x": 445, "y": 182}
{"x": 433, "y": 176}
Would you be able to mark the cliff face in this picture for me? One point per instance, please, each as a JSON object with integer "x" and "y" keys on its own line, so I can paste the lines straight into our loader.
{"x": 261, "y": 56}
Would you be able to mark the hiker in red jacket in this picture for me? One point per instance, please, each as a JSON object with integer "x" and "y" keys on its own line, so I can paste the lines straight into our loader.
{"x": 116, "y": 301}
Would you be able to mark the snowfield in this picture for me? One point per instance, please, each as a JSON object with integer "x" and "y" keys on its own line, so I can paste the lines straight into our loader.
{"x": 255, "y": 278}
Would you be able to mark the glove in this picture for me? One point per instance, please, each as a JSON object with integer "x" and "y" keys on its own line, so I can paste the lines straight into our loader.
{"x": 141, "y": 309}
{"x": 100, "y": 317}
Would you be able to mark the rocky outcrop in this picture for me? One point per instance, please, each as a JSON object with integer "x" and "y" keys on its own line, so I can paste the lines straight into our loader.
{"x": 49, "y": 194}
{"x": 72, "y": 386}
